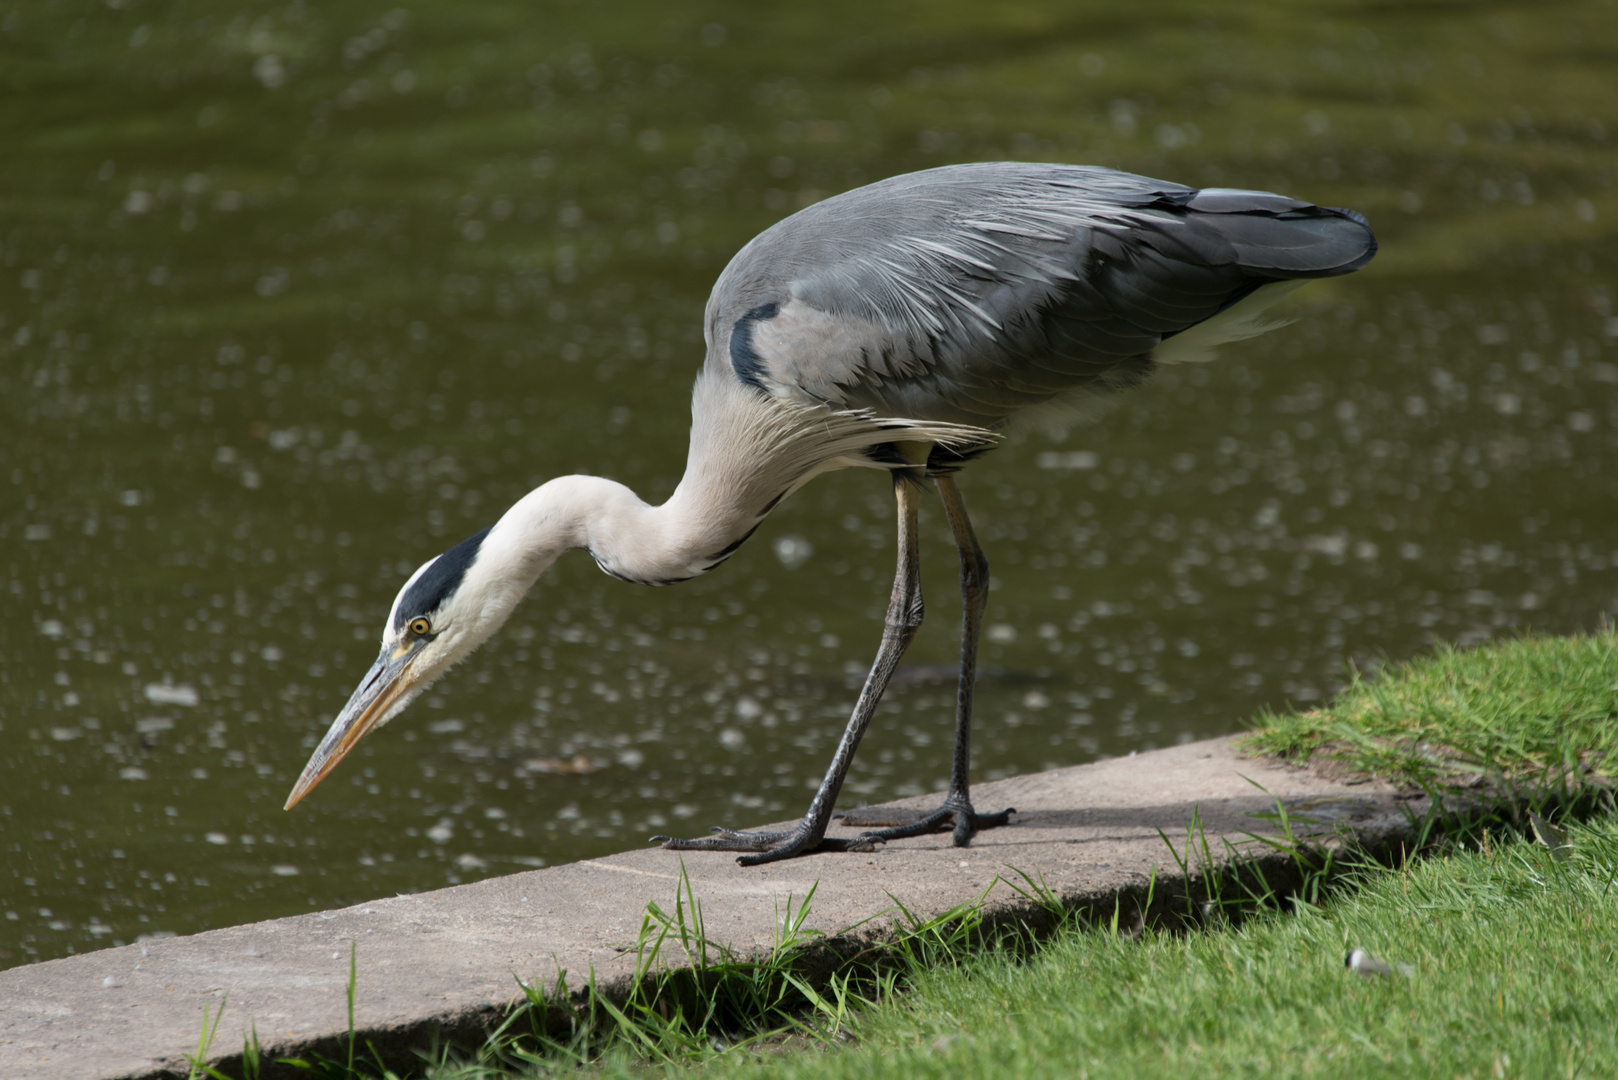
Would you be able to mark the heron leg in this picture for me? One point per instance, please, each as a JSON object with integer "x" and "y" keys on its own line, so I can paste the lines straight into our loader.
{"x": 903, "y": 619}
{"x": 974, "y": 599}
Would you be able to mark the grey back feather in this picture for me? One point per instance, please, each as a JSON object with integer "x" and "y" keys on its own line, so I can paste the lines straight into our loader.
{"x": 971, "y": 292}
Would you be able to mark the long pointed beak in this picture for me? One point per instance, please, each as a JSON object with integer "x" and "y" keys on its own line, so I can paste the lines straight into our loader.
{"x": 372, "y": 703}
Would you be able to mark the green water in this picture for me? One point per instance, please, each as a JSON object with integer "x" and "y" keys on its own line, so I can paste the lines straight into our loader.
{"x": 293, "y": 296}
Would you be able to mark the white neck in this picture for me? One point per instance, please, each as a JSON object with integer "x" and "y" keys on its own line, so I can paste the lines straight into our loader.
{"x": 694, "y": 531}
{"x": 653, "y": 545}
{"x": 748, "y": 452}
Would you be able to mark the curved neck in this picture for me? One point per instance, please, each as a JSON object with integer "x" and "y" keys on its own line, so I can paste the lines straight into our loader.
{"x": 747, "y": 453}
{"x": 651, "y": 545}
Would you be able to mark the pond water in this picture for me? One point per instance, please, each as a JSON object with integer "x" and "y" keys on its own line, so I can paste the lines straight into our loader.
{"x": 294, "y": 295}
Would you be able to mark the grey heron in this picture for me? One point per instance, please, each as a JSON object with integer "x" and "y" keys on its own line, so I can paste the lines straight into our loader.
{"x": 901, "y": 326}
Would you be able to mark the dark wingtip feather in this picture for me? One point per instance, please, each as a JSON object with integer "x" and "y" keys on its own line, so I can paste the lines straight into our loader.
{"x": 1309, "y": 243}
{"x": 1370, "y": 239}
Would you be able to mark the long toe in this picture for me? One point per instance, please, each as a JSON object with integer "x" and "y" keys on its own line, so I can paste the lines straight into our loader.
{"x": 993, "y": 821}
{"x": 723, "y": 839}
{"x": 806, "y": 843}
{"x": 763, "y": 847}
{"x": 937, "y": 821}
{"x": 962, "y": 823}
{"x": 969, "y": 824}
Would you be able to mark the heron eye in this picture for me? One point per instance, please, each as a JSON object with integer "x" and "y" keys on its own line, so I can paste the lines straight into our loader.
{"x": 420, "y": 627}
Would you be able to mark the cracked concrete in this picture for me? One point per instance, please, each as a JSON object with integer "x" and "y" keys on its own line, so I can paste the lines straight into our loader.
{"x": 443, "y": 964}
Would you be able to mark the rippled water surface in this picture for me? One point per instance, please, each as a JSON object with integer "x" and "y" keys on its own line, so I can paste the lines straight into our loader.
{"x": 293, "y": 296}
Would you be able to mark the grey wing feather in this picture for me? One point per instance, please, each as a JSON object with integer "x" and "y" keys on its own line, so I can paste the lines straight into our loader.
{"x": 970, "y": 292}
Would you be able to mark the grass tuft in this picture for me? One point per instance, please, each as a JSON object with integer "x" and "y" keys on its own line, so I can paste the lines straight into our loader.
{"x": 693, "y": 998}
{"x": 1535, "y": 710}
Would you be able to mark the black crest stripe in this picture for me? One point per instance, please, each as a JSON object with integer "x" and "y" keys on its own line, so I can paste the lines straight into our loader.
{"x": 428, "y": 592}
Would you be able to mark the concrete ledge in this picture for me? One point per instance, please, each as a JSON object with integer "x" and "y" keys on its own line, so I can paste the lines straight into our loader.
{"x": 441, "y": 965}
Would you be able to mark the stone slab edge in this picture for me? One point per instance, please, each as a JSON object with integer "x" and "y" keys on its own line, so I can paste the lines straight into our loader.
{"x": 443, "y": 966}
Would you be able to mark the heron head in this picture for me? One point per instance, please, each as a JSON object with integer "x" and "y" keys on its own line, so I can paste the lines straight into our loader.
{"x": 447, "y": 608}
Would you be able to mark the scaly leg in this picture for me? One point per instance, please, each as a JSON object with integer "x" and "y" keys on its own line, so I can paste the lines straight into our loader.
{"x": 974, "y": 598}
{"x": 904, "y": 617}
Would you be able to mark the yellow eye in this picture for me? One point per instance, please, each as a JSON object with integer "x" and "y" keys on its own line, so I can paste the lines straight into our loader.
{"x": 420, "y": 627}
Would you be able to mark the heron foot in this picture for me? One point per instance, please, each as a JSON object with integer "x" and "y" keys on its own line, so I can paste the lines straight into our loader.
{"x": 953, "y": 816}
{"x": 767, "y": 846}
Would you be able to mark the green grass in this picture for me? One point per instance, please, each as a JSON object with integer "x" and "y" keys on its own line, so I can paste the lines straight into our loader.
{"x": 691, "y": 997}
{"x": 1539, "y": 709}
{"x": 1505, "y": 936}
{"x": 1506, "y": 942}
{"x": 1509, "y": 946}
